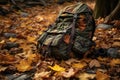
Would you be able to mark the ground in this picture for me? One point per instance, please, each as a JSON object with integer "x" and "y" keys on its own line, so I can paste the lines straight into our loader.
{"x": 21, "y": 30}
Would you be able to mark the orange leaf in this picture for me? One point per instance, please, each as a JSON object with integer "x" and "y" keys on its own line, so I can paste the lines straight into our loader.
{"x": 102, "y": 76}
{"x": 114, "y": 62}
{"x": 31, "y": 39}
{"x": 79, "y": 65}
{"x": 7, "y": 59}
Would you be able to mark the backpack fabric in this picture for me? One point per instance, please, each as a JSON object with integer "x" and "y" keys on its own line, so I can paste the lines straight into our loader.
{"x": 72, "y": 31}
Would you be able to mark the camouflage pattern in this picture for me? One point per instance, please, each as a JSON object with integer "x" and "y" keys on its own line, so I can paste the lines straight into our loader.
{"x": 52, "y": 43}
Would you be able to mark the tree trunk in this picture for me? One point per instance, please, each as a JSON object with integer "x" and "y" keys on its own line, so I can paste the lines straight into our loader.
{"x": 104, "y": 7}
{"x": 115, "y": 14}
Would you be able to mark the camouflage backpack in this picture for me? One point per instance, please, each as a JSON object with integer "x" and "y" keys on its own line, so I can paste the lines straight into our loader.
{"x": 72, "y": 31}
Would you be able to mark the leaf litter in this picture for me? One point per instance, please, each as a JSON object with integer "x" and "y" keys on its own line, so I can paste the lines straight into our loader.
{"x": 29, "y": 27}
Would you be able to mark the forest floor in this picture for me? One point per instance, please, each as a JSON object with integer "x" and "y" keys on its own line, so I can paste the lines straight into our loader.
{"x": 19, "y": 59}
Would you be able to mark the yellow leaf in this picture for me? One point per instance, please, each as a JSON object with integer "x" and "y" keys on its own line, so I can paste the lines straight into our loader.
{"x": 23, "y": 66}
{"x": 12, "y": 39}
{"x": 40, "y": 32}
{"x": 31, "y": 39}
{"x": 79, "y": 65}
{"x": 57, "y": 68}
{"x": 114, "y": 62}
{"x": 3, "y": 41}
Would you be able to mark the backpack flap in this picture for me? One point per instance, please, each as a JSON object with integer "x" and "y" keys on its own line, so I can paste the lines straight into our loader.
{"x": 48, "y": 40}
{"x": 53, "y": 40}
{"x": 57, "y": 39}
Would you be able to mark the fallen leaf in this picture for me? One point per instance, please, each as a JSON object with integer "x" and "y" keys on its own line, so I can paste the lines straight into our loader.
{"x": 114, "y": 62}
{"x": 94, "y": 38}
{"x": 94, "y": 63}
{"x": 57, "y": 68}
{"x": 12, "y": 39}
{"x": 32, "y": 57}
{"x": 70, "y": 61}
{"x": 79, "y": 65}
{"x": 24, "y": 65}
{"x": 7, "y": 59}
{"x": 3, "y": 41}
{"x": 102, "y": 59}
{"x": 39, "y": 18}
{"x": 39, "y": 32}
{"x": 25, "y": 47}
{"x": 42, "y": 75}
{"x": 116, "y": 44}
{"x": 86, "y": 76}
{"x": 31, "y": 39}
{"x": 68, "y": 74}
{"x": 101, "y": 76}
{"x": 2, "y": 68}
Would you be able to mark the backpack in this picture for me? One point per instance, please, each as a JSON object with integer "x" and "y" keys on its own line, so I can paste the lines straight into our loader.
{"x": 72, "y": 31}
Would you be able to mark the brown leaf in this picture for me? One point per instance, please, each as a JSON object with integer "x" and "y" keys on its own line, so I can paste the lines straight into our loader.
{"x": 116, "y": 22}
{"x": 70, "y": 61}
{"x": 45, "y": 74}
{"x": 7, "y": 59}
{"x": 94, "y": 63}
{"x": 68, "y": 74}
{"x": 116, "y": 44}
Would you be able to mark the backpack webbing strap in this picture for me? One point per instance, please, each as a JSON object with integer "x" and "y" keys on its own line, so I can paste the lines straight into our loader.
{"x": 72, "y": 32}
